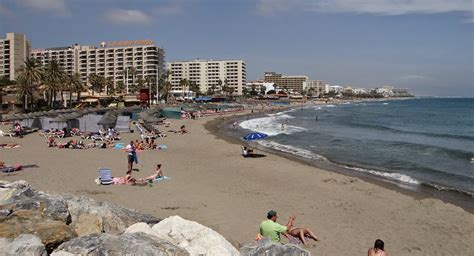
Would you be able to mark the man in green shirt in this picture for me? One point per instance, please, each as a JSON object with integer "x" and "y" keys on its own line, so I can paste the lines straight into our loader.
{"x": 270, "y": 228}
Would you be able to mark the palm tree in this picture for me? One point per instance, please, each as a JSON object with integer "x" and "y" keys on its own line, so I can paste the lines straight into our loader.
{"x": 183, "y": 83}
{"x": 74, "y": 84}
{"x": 163, "y": 78}
{"x": 29, "y": 77}
{"x": 193, "y": 86}
{"x": 109, "y": 85}
{"x": 53, "y": 78}
{"x": 97, "y": 82}
{"x": 219, "y": 83}
{"x": 166, "y": 89}
{"x": 133, "y": 71}
{"x": 150, "y": 80}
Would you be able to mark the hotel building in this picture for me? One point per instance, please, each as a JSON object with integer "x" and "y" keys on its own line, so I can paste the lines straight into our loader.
{"x": 207, "y": 73}
{"x": 14, "y": 50}
{"x": 292, "y": 83}
{"x": 121, "y": 61}
{"x": 318, "y": 87}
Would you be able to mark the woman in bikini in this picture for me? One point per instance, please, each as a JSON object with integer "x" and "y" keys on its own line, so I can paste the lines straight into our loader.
{"x": 301, "y": 233}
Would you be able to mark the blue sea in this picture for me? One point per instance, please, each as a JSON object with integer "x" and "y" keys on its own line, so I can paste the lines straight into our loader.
{"x": 421, "y": 141}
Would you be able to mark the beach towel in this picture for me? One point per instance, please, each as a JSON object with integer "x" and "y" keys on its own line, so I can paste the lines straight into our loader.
{"x": 162, "y": 146}
{"x": 161, "y": 179}
{"x": 119, "y": 146}
{"x": 10, "y": 145}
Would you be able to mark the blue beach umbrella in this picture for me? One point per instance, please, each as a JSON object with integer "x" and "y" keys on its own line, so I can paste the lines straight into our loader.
{"x": 255, "y": 136}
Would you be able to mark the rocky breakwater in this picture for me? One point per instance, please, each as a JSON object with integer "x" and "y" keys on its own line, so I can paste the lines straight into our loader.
{"x": 36, "y": 223}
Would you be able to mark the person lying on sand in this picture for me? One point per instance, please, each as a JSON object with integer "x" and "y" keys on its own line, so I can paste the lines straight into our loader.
{"x": 300, "y": 233}
{"x": 378, "y": 249}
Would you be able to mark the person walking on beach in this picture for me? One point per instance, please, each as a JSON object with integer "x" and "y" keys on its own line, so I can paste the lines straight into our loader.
{"x": 270, "y": 228}
{"x": 378, "y": 249}
{"x": 130, "y": 149}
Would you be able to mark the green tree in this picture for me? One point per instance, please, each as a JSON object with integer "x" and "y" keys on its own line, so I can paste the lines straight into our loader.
{"x": 97, "y": 83}
{"x": 30, "y": 75}
{"x": 74, "y": 84}
{"x": 184, "y": 83}
{"x": 245, "y": 92}
{"x": 53, "y": 80}
{"x": 194, "y": 87}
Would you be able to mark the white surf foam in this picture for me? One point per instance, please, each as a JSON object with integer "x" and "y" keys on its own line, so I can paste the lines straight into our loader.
{"x": 272, "y": 124}
{"x": 291, "y": 149}
{"x": 392, "y": 176}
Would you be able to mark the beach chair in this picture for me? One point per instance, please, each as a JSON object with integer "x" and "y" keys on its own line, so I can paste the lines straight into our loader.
{"x": 105, "y": 176}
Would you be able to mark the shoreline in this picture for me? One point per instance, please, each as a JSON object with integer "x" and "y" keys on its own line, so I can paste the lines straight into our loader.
{"x": 221, "y": 129}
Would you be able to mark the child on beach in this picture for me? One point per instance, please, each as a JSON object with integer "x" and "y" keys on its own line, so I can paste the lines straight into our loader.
{"x": 378, "y": 249}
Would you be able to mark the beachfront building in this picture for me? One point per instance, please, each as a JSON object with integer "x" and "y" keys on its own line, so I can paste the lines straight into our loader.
{"x": 284, "y": 82}
{"x": 14, "y": 50}
{"x": 123, "y": 62}
{"x": 317, "y": 87}
{"x": 258, "y": 87}
{"x": 208, "y": 74}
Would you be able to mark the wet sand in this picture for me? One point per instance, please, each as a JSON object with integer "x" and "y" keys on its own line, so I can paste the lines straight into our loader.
{"x": 213, "y": 185}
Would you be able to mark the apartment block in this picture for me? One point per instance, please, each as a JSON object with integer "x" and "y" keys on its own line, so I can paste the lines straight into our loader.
{"x": 14, "y": 50}
{"x": 292, "y": 83}
{"x": 123, "y": 61}
{"x": 207, "y": 73}
{"x": 318, "y": 87}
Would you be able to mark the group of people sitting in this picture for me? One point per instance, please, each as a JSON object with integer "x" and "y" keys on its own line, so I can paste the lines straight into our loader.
{"x": 128, "y": 179}
{"x": 272, "y": 229}
{"x": 145, "y": 145}
{"x": 79, "y": 144}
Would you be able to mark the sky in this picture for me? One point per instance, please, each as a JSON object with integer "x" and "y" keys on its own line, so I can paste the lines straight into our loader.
{"x": 423, "y": 45}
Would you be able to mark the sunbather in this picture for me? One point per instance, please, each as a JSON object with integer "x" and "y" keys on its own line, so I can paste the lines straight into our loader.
{"x": 301, "y": 233}
{"x": 5, "y": 168}
{"x": 158, "y": 173}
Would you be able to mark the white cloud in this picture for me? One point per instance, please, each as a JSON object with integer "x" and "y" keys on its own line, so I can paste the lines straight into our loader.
{"x": 377, "y": 7}
{"x": 58, "y": 7}
{"x": 125, "y": 16}
{"x": 270, "y": 7}
{"x": 173, "y": 8}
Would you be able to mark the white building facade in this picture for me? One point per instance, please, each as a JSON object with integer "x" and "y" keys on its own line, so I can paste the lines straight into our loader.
{"x": 14, "y": 50}
{"x": 208, "y": 73}
{"x": 123, "y": 62}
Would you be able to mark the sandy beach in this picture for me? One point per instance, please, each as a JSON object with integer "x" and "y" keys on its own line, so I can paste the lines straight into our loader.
{"x": 212, "y": 184}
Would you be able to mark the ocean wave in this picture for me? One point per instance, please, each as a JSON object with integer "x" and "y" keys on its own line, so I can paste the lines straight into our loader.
{"x": 272, "y": 125}
{"x": 388, "y": 175}
{"x": 429, "y": 134}
{"x": 292, "y": 150}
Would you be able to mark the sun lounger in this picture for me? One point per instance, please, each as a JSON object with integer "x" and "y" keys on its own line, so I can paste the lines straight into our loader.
{"x": 105, "y": 176}
{"x": 9, "y": 134}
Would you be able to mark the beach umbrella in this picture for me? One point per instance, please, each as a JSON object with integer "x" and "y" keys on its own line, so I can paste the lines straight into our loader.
{"x": 255, "y": 136}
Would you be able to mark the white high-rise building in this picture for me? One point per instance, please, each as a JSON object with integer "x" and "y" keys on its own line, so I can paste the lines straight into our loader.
{"x": 125, "y": 61}
{"x": 317, "y": 86}
{"x": 14, "y": 50}
{"x": 207, "y": 73}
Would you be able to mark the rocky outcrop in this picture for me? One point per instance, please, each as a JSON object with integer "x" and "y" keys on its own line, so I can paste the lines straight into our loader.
{"x": 265, "y": 247}
{"x": 125, "y": 244}
{"x": 22, "y": 245}
{"x": 36, "y": 223}
{"x": 192, "y": 236}
{"x": 92, "y": 217}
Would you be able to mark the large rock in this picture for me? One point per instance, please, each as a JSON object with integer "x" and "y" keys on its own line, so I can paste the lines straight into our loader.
{"x": 51, "y": 232}
{"x": 19, "y": 195}
{"x": 125, "y": 244}
{"x": 104, "y": 216}
{"x": 266, "y": 247}
{"x": 22, "y": 245}
{"x": 192, "y": 236}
